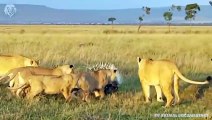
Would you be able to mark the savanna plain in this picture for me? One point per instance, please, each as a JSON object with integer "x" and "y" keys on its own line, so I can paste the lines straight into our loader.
{"x": 189, "y": 47}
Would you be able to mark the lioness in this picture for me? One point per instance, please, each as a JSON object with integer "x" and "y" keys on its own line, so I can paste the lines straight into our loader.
{"x": 96, "y": 80}
{"x": 48, "y": 84}
{"x": 10, "y": 62}
{"x": 161, "y": 74}
{"x": 27, "y": 71}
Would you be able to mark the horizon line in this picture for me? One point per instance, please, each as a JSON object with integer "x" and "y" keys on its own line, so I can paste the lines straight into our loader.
{"x": 90, "y": 9}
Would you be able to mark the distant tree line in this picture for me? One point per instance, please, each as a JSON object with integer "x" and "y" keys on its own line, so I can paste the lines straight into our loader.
{"x": 190, "y": 10}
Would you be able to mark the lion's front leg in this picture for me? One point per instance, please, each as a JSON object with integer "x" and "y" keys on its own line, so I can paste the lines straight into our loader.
{"x": 146, "y": 91}
{"x": 102, "y": 93}
{"x": 67, "y": 94}
{"x": 86, "y": 96}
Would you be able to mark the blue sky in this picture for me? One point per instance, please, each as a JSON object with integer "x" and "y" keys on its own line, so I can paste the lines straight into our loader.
{"x": 103, "y": 4}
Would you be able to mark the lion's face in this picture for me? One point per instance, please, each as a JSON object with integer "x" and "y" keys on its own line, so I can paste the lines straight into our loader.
{"x": 67, "y": 69}
{"x": 30, "y": 62}
{"x": 115, "y": 80}
{"x": 113, "y": 74}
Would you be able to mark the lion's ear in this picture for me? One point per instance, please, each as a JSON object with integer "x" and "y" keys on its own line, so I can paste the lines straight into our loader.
{"x": 138, "y": 59}
{"x": 71, "y": 66}
{"x": 31, "y": 62}
{"x": 38, "y": 62}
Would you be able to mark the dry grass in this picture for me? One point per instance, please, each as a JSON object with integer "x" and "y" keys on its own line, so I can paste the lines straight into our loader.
{"x": 83, "y": 45}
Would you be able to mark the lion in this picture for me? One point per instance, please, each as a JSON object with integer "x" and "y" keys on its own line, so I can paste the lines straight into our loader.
{"x": 161, "y": 74}
{"x": 95, "y": 80}
{"x": 10, "y": 62}
{"x": 47, "y": 84}
{"x": 15, "y": 80}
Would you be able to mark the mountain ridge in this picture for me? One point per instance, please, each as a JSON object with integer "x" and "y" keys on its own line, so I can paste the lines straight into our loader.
{"x": 40, "y": 14}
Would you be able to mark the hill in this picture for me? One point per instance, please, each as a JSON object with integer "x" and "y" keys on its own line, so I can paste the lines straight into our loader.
{"x": 36, "y": 14}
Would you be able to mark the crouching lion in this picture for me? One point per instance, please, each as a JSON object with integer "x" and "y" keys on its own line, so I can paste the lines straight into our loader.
{"x": 15, "y": 80}
{"x": 95, "y": 80}
{"x": 47, "y": 84}
{"x": 10, "y": 62}
{"x": 161, "y": 74}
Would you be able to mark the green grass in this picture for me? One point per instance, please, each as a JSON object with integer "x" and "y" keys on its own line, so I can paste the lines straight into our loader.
{"x": 189, "y": 47}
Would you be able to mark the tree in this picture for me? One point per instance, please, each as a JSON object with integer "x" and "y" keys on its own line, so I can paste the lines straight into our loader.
{"x": 178, "y": 8}
{"x": 173, "y": 7}
{"x": 168, "y": 17}
{"x": 191, "y": 11}
{"x": 210, "y": 2}
{"x": 146, "y": 11}
{"x": 140, "y": 20}
{"x": 111, "y": 19}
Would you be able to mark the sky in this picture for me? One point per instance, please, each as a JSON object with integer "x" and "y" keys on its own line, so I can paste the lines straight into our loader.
{"x": 104, "y": 4}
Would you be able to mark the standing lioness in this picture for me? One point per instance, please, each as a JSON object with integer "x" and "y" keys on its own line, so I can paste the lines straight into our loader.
{"x": 10, "y": 62}
{"x": 161, "y": 74}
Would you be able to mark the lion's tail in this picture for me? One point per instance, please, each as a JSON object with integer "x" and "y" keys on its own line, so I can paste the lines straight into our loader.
{"x": 19, "y": 87}
{"x": 11, "y": 74}
{"x": 187, "y": 80}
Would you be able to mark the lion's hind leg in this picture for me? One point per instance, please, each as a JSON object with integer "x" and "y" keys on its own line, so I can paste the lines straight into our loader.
{"x": 14, "y": 83}
{"x": 32, "y": 94}
{"x": 159, "y": 93}
{"x": 34, "y": 91}
{"x": 18, "y": 93}
{"x": 11, "y": 83}
{"x": 176, "y": 89}
{"x": 167, "y": 91}
{"x": 102, "y": 93}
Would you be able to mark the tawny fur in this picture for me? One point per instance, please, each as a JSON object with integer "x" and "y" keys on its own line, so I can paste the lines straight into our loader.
{"x": 95, "y": 81}
{"x": 162, "y": 74}
{"x": 10, "y": 62}
{"x": 48, "y": 84}
{"x": 14, "y": 80}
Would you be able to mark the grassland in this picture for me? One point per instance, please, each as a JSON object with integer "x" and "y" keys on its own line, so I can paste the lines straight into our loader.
{"x": 189, "y": 47}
